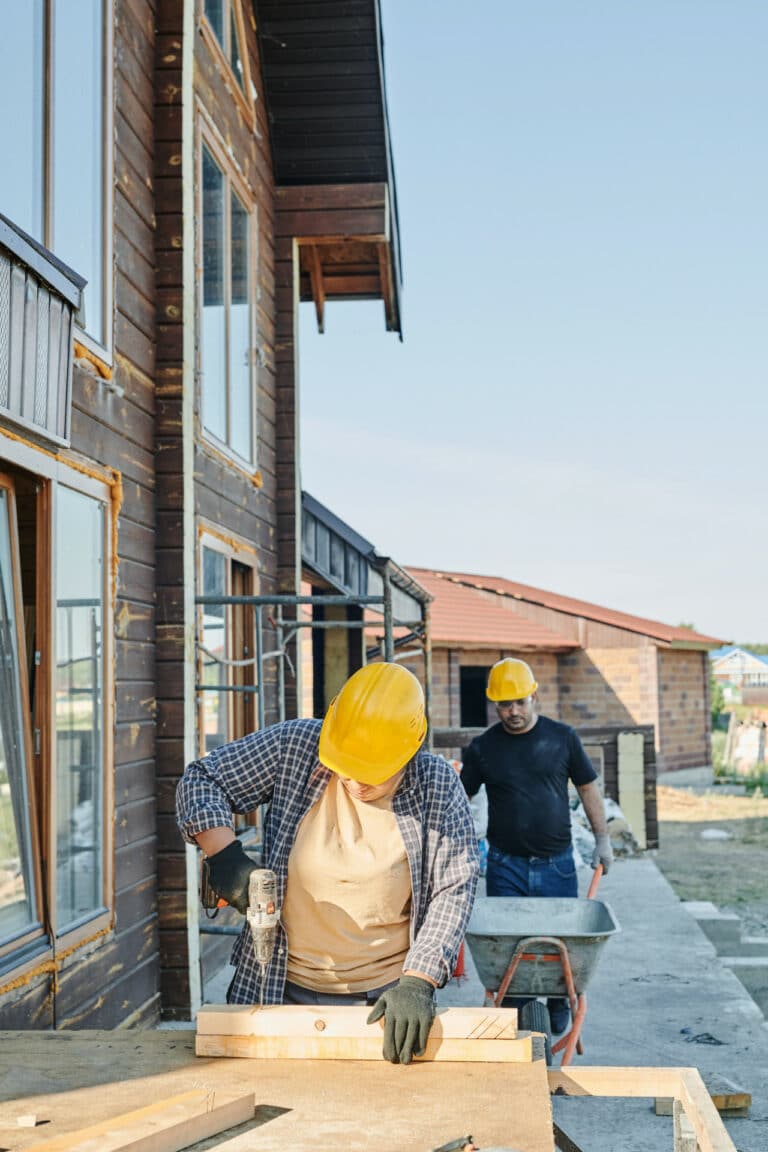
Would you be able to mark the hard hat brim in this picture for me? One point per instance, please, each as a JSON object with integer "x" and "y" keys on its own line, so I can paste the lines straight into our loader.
{"x": 332, "y": 757}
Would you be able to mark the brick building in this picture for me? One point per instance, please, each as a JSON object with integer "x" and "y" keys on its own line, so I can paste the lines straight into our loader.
{"x": 595, "y": 666}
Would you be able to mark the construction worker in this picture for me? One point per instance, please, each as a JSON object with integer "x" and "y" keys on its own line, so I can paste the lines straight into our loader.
{"x": 526, "y": 762}
{"x": 372, "y": 844}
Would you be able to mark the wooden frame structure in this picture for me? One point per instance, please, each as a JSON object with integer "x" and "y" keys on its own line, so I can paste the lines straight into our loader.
{"x": 696, "y": 1122}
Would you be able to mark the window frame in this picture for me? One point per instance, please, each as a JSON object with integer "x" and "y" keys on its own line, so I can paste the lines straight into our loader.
{"x": 94, "y": 490}
{"x": 36, "y": 931}
{"x": 208, "y": 137}
{"x": 244, "y": 95}
{"x": 51, "y": 473}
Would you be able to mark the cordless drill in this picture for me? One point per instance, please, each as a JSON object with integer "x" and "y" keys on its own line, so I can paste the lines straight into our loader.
{"x": 263, "y": 916}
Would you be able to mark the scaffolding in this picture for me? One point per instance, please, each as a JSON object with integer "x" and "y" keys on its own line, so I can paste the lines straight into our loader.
{"x": 286, "y": 631}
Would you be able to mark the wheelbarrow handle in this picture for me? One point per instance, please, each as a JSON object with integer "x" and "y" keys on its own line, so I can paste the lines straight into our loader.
{"x": 592, "y": 891}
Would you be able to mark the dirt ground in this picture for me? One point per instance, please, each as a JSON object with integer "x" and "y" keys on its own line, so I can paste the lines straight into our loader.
{"x": 730, "y": 872}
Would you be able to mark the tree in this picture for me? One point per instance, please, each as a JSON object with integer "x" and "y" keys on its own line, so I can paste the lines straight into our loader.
{"x": 716, "y": 699}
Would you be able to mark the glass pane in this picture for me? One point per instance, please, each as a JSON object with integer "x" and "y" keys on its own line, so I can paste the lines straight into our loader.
{"x": 214, "y": 704}
{"x": 234, "y": 47}
{"x": 17, "y": 884}
{"x": 79, "y": 708}
{"x": 78, "y": 150}
{"x": 240, "y": 335}
{"x": 214, "y": 11}
{"x": 21, "y": 133}
{"x": 214, "y": 334}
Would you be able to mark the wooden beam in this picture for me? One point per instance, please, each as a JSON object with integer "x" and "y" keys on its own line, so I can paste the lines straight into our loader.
{"x": 681, "y": 1084}
{"x": 316, "y": 280}
{"x": 330, "y": 197}
{"x": 387, "y": 291}
{"x": 166, "y": 1126}
{"x": 296, "y": 1032}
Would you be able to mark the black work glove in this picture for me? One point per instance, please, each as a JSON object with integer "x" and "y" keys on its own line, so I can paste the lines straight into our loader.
{"x": 408, "y": 1010}
{"x": 229, "y": 871}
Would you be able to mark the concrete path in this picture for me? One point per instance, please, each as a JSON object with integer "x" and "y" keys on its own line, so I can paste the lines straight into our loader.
{"x": 659, "y": 997}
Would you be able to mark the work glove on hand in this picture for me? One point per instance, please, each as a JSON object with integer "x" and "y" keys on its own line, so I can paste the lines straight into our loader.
{"x": 408, "y": 1010}
{"x": 603, "y": 853}
{"x": 229, "y": 871}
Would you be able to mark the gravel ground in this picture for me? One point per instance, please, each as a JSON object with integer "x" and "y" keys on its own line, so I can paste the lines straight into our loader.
{"x": 729, "y": 870}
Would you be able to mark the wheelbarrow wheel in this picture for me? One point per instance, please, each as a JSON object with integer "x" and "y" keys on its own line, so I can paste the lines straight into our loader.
{"x": 534, "y": 1017}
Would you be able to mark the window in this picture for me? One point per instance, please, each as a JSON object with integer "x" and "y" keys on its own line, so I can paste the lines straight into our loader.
{"x": 225, "y": 32}
{"x": 54, "y": 75}
{"x": 473, "y": 703}
{"x": 226, "y": 338}
{"x": 226, "y": 645}
{"x": 18, "y": 884}
{"x": 55, "y": 838}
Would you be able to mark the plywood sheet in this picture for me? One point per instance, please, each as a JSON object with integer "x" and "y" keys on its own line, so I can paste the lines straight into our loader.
{"x": 368, "y": 1106}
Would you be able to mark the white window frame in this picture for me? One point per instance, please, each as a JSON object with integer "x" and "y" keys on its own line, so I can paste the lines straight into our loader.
{"x": 208, "y": 137}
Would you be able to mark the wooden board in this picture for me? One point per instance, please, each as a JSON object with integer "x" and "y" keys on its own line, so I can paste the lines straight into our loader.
{"x": 293, "y": 1032}
{"x": 372, "y": 1106}
{"x": 165, "y": 1126}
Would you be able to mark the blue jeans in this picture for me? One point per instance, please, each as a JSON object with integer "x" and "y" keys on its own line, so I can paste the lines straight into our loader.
{"x": 533, "y": 876}
{"x": 530, "y": 875}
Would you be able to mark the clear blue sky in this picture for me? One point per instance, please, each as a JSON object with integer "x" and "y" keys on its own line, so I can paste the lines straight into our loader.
{"x": 580, "y": 401}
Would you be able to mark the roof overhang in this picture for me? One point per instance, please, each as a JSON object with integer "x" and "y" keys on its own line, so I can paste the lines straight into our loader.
{"x": 336, "y": 556}
{"x": 324, "y": 86}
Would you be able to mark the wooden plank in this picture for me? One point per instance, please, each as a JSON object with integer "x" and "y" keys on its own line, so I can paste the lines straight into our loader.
{"x": 725, "y": 1095}
{"x": 701, "y": 1111}
{"x": 162, "y": 1127}
{"x": 518, "y": 1051}
{"x": 293, "y": 1032}
{"x": 348, "y": 1023}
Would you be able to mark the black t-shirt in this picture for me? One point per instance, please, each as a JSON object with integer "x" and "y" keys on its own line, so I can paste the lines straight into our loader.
{"x": 526, "y": 778}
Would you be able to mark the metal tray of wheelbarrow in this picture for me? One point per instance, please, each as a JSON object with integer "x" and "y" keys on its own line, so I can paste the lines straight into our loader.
{"x": 499, "y": 923}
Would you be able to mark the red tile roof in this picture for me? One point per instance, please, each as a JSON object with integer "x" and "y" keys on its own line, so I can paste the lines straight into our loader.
{"x": 459, "y": 615}
{"x": 436, "y": 582}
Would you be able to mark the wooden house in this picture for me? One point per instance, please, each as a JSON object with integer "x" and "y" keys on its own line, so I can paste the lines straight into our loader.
{"x": 178, "y": 176}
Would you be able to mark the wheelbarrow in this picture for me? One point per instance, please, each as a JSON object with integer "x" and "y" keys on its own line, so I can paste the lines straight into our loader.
{"x": 539, "y": 947}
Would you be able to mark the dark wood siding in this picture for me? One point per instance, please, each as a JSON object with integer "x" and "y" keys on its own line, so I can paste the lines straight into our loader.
{"x": 169, "y": 259}
{"x": 122, "y": 977}
{"x": 226, "y": 498}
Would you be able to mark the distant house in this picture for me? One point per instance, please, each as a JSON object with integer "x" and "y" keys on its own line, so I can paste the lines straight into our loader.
{"x": 739, "y": 667}
{"x": 594, "y": 666}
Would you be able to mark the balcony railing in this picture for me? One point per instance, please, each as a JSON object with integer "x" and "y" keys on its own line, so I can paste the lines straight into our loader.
{"x": 39, "y": 298}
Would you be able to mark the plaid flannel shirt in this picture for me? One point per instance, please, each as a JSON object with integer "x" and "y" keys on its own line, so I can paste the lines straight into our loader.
{"x": 279, "y": 766}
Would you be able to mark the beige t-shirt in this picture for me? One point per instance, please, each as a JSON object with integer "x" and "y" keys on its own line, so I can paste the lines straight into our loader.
{"x": 348, "y": 898}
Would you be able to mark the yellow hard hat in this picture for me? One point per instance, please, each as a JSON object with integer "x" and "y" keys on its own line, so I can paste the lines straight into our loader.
{"x": 510, "y": 680}
{"x": 375, "y": 725}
